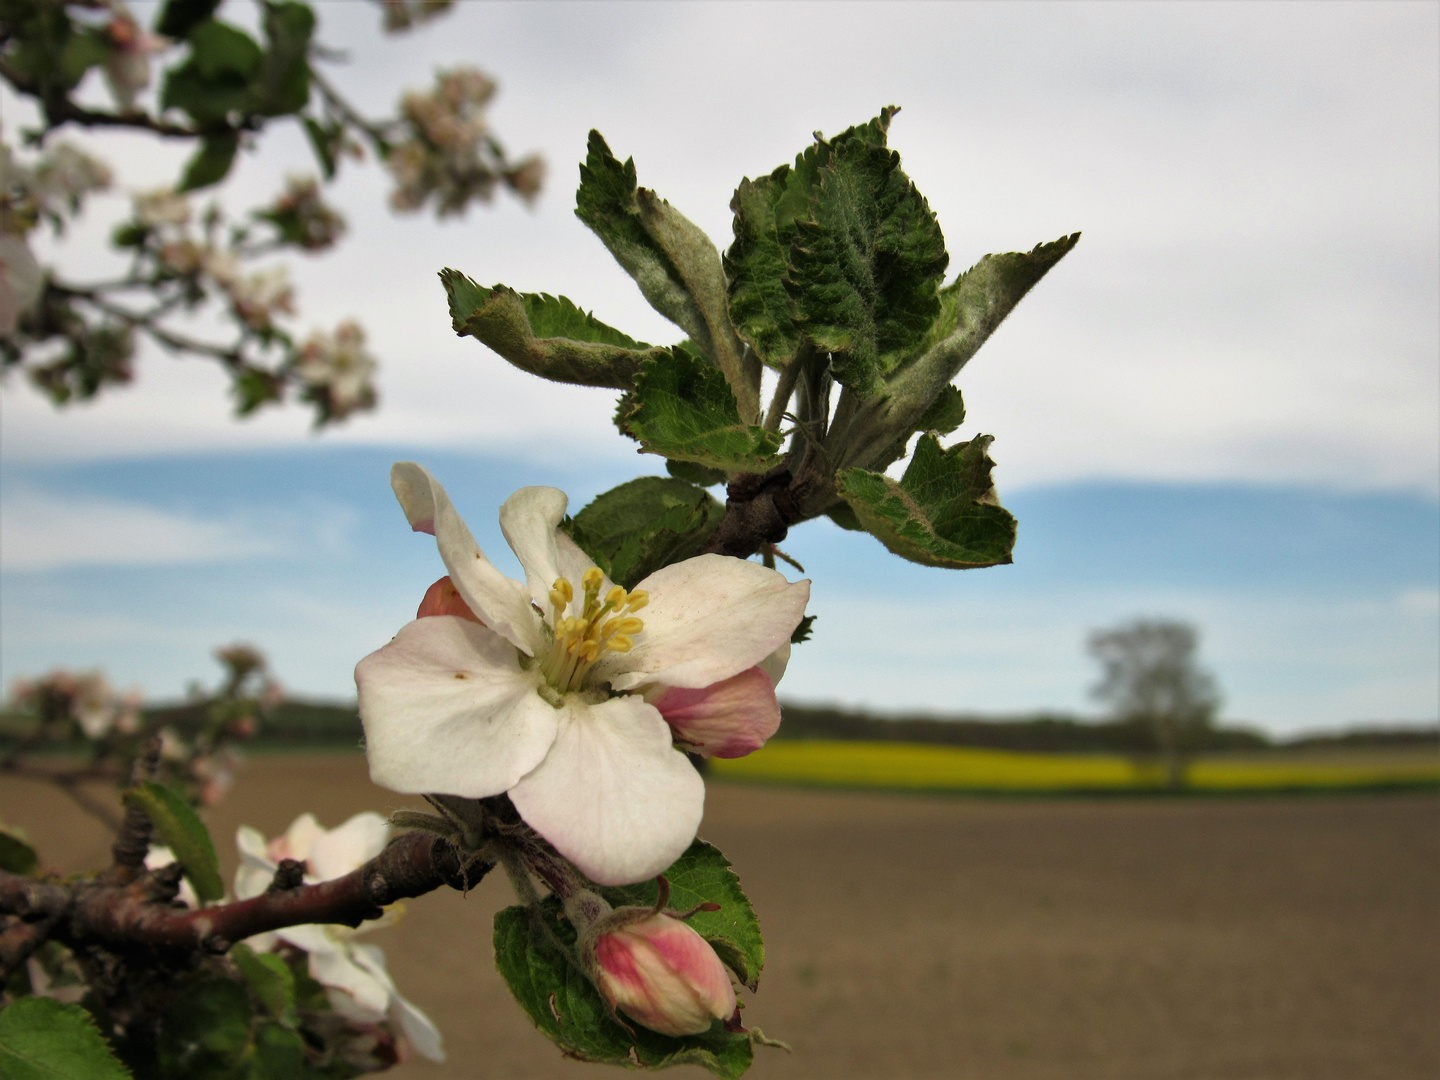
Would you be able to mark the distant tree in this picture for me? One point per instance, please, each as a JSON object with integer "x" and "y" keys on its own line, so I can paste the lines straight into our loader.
{"x": 1150, "y": 679}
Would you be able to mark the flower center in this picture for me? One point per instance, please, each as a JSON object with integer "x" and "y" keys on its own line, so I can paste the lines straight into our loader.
{"x": 600, "y": 627}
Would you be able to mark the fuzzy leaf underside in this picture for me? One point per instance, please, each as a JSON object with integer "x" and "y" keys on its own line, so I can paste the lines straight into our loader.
{"x": 682, "y": 408}
{"x": 183, "y": 833}
{"x": 943, "y": 511}
{"x": 703, "y": 875}
{"x": 976, "y": 303}
{"x": 43, "y": 1039}
{"x": 766, "y": 212}
{"x": 865, "y": 271}
{"x": 633, "y": 530}
{"x": 607, "y": 202}
{"x": 545, "y": 335}
{"x": 567, "y": 1008}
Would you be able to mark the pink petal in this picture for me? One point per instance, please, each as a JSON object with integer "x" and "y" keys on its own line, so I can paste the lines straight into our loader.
{"x": 443, "y": 598}
{"x": 727, "y": 719}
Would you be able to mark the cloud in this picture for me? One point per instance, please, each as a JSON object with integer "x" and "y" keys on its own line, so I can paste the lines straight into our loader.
{"x": 46, "y": 532}
{"x": 1254, "y": 298}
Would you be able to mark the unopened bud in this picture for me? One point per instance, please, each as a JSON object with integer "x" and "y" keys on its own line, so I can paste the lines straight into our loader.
{"x": 664, "y": 975}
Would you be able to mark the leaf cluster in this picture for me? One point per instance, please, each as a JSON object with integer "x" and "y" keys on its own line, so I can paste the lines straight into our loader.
{"x": 834, "y": 282}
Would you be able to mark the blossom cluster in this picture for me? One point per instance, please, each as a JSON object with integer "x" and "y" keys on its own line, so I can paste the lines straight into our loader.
{"x": 337, "y": 370}
{"x": 448, "y": 154}
{"x": 85, "y": 698}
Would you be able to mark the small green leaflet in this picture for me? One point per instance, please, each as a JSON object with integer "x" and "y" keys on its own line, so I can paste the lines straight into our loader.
{"x": 43, "y": 1039}
{"x": 177, "y": 17}
{"x": 943, "y": 512}
{"x": 545, "y": 335}
{"x": 183, "y": 833}
{"x": 16, "y": 856}
{"x": 567, "y": 1008}
{"x": 211, "y": 162}
{"x": 703, "y": 875}
{"x": 865, "y": 271}
{"x": 282, "y": 85}
{"x": 633, "y": 530}
{"x": 683, "y": 408}
{"x": 766, "y": 214}
{"x": 606, "y": 201}
{"x": 271, "y": 981}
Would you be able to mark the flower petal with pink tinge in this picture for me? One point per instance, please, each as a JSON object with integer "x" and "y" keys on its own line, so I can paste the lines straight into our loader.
{"x": 613, "y": 795}
{"x": 500, "y": 603}
{"x": 448, "y": 710}
{"x": 728, "y": 719}
{"x": 709, "y": 618}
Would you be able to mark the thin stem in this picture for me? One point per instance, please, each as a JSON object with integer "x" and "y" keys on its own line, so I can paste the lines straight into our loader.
{"x": 336, "y": 101}
{"x": 785, "y": 388}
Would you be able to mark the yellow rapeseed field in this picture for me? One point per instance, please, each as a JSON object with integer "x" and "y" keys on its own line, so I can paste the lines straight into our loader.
{"x": 953, "y": 768}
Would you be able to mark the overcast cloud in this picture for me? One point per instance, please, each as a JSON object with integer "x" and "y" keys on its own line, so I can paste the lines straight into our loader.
{"x": 1255, "y": 296}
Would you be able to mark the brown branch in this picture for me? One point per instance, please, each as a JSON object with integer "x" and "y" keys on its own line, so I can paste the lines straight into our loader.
{"x": 759, "y": 510}
{"x": 117, "y": 915}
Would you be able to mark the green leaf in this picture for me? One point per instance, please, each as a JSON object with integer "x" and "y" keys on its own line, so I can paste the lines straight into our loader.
{"x": 84, "y": 50}
{"x": 271, "y": 981}
{"x": 16, "y": 855}
{"x": 606, "y": 201}
{"x": 683, "y": 408}
{"x": 43, "y": 1039}
{"x": 178, "y": 17}
{"x": 215, "y": 80}
{"x": 703, "y": 875}
{"x": 767, "y": 212}
{"x": 943, "y": 511}
{"x": 803, "y": 630}
{"x": 545, "y": 335}
{"x": 283, "y": 83}
{"x": 206, "y": 1032}
{"x": 278, "y": 1053}
{"x": 865, "y": 272}
{"x": 946, "y": 412}
{"x": 182, "y": 832}
{"x": 694, "y": 474}
{"x": 972, "y": 308}
{"x": 567, "y": 1008}
{"x": 219, "y": 50}
{"x": 211, "y": 162}
{"x": 633, "y": 530}
{"x": 325, "y": 140}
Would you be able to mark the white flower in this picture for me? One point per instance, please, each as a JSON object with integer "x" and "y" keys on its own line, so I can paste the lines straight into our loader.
{"x": 154, "y": 209}
{"x": 159, "y": 855}
{"x": 339, "y": 365}
{"x": 545, "y": 696}
{"x": 21, "y": 281}
{"x": 353, "y": 973}
{"x": 260, "y": 296}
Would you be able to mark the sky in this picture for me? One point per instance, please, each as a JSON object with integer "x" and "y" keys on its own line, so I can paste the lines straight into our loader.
{"x": 1223, "y": 406}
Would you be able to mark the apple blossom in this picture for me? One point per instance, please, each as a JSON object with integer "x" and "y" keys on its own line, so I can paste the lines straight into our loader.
{"x": 661, "y": 973}
{"x": 547, "y": 696}
{"x": 354, "y": 974}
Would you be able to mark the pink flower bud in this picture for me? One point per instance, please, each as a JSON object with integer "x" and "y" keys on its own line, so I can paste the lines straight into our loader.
{"x": 664, "y": 975}
{"x": 443, "y": 598}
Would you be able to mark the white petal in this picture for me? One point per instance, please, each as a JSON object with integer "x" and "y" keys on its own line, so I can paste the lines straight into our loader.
{"x": 448, "y": 710}
{"x": 499, "y": 602}
{"x": 338, "y": 969}
{"x": 424, "y": 1036}
{"x": 299, "y": 839}
{"x": 348, "y": 846}
{"x": 613, "y": 795}
{"x": 530, "y": 520}
{"x": 253, "y": 875}
{"x": 775, "y": 664}
{"x": 709, "y": 618}
{"x": 312, "y": 938}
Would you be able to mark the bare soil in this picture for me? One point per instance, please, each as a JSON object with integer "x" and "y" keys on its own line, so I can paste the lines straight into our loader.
{"x": 910, "y": 937}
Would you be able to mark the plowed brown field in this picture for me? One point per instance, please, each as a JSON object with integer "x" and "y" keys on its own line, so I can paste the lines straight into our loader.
{"x": 908, "y": 937}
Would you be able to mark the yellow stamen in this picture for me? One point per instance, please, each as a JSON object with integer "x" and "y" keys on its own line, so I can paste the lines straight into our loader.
{"x": 638, "y": 599}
